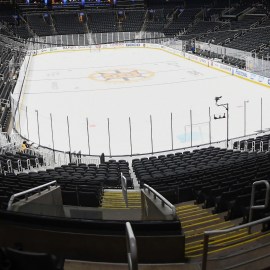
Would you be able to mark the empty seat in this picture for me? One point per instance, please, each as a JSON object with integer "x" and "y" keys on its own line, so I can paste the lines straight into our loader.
{"x": 22, "y": 260}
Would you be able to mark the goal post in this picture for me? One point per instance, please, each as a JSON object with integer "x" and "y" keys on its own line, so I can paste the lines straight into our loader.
{"x": 198, "y": 133}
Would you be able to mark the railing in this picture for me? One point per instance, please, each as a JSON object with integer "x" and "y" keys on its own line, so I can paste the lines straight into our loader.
{"x": 266, "y": 201}
{"x": 27, "y": 192}
{"x": 91, "y": 39}
{"x": 248, "y": 225}
{"x": 61, "y": 157}
{"x": 263, "y": 146}
{"x": 124, "y": 188}
{"x": 131, "y": 248}
{"x": 216, "y": 232}
{"x": 164, "y": 201}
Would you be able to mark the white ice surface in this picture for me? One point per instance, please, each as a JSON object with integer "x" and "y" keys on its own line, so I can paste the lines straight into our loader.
{"x": 61, "y": 83}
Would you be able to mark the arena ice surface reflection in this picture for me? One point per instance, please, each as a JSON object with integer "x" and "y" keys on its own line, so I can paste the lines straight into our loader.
{"x": 119, "y": 83}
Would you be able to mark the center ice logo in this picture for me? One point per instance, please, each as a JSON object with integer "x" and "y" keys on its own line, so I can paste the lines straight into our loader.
{"x": 119, "y": 75}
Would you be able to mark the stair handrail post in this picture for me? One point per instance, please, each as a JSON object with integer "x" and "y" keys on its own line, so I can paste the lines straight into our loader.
{"x": 253, "y": 146}
{"x": 131, "y": 248}
{"x": 261, "y": 146}
{"x": 205, "y": 251}
{"x": 124, "y": 188}
{"x": 228, "y": 230}
{"x": 263, "y": 206}
{"x": 245, "y": 146}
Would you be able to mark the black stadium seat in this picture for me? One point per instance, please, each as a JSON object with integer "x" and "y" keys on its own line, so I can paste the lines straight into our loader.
{"x": 23, "y": 260}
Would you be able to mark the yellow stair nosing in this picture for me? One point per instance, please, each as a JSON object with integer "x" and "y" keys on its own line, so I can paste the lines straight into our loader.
{"x": 199, "y": 223}
{"x": 232, "y": 246}
{"x": 227, "y": 240}
{"x": 189, "y": 210}
{"x": 218, "y": 236}
{"x": 186, "y": 209}
{"x": 203, "y": 228}
{"x": 193, "y": 220}
{"x": 197, "y": 211}
{"x": 185, "y": 217}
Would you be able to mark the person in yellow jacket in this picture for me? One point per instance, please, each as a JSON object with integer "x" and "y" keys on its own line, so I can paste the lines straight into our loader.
{"x": 24, "y": 146}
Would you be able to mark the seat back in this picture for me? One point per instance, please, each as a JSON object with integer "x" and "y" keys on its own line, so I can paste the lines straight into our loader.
{"x": 22, "y": 260}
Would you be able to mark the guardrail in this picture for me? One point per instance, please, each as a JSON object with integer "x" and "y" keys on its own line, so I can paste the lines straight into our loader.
{"x": 164, "y": 201}
{"x": 124, "y": 188}
{"x": 26, "y": 192}
{"x": 165, "y": 42}
{"x": 266, "y": 201}
{"x": 248, "y": 225}
{"x": 131, "y": 248}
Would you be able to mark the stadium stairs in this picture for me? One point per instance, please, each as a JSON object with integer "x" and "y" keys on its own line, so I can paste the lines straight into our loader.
{"x": 114, "y": 200}
{"x": 235, "y": 250}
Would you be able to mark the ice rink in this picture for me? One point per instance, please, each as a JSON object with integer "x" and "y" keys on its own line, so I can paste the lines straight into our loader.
{"x": 111, "y": 86}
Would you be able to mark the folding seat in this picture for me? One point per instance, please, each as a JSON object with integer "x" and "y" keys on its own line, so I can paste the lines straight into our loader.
{"x": 112, "y": 182}
{"x": 59, "y": 169}
{"x": 239, "y": 185}
{"x": 89, "y": 199}
{"x": 170, "y": 194}
{"x": 185, "y": 193}
{"x": 4, "y": 199}
{"x": 235, "y": 206}
{"x": 23, "y": 260}
{"x": 201, "y": 194}
{"x": 70, "y": 197}
{"x": 209, "y": 198}
{"x": 221, "y": 201}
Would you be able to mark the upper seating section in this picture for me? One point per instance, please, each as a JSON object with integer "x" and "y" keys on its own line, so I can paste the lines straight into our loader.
{"x": 9, "y": 68}
{"x": 201, "y": 29}
{"x": 259, "y": 9}
{"x": 40, "y": 24}
{"x": 133, "y": 21}
{"x": 241, "y": 34}
{"x": 68, "y": 24}
{"x": 181, "y": 20}
{"x": 155, "y": 20}
{"x": 237, "y": 9}
{"x": 102, "y": 22}
{"x": 252, "y": 39}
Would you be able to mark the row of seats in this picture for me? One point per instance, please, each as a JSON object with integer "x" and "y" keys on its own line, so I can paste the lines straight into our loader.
{"x": 81, "y": 185}
{"x": 260, "y": 143}
{"x": 218, "y": 178}
{"x": 232, "y": 34}
{"x": 20, "y": 161}
{"x": 12, "y": 259}
{"x": 9, "y": 68}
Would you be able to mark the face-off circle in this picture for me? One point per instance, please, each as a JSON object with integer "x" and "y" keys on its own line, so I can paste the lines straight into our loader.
{"x": 121, "y": 75}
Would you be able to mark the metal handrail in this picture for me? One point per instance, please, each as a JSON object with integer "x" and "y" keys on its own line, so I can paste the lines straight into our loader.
{"x": 247, "y": 225}
{"x": 215, "y": 232}
{"x": 252, "y": 206}
{"x": 163, "y": 199}
{"x": 131, "y": 248}
{"x": 14, "y": 196}
{"x": 124, "y": 188}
